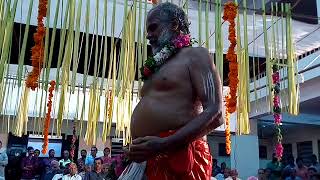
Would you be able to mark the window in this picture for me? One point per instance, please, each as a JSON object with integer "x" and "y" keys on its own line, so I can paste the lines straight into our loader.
{"x": 222, "y": 150}
{"x": 305, "y": 150}
{"x": 116, "y": 147}
{"x": 287, "y": 150}
{"x": 263, "y": 152}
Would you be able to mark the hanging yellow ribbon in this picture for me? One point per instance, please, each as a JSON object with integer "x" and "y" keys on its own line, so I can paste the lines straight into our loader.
{"x": 22, "y": 118}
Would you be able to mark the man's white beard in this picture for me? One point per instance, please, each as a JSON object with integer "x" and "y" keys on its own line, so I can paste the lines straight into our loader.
{"x": 164, "y": 39}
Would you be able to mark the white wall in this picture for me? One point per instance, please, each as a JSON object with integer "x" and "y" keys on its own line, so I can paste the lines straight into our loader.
{"x": 293, "y": 136}
{"x": 268, "y": 143}
{"x": 303, "y": 134}
{"x": 213, "y": 142}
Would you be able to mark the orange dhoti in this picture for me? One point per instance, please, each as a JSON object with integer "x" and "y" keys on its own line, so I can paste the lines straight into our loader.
{"x": 192, "y": 163}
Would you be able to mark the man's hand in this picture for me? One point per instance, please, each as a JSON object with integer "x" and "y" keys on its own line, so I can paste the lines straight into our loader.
{"x": 144, "y": 148}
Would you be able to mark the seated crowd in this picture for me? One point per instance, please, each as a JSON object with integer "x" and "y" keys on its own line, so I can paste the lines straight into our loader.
{"x": 87, "y": 167}
{"x": 287, "y": 169}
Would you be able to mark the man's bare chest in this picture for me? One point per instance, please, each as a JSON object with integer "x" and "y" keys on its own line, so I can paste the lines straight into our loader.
{"x": 172, "y": 75}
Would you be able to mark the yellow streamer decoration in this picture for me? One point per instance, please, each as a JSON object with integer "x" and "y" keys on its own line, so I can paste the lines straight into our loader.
{"x": 66, "y": 67}
{"x": 267, "y": 55}
{"x": 93, "y": 116}
{"x": 22, "y": 118}
{"x": 117, "y": 88}
{"x": 218, "y": 39}
{"x": 292, "y": 87}
{"x": 243, "y": 125}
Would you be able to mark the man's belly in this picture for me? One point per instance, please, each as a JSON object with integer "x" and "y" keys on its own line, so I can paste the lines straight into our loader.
{"x": 152, "y": 117}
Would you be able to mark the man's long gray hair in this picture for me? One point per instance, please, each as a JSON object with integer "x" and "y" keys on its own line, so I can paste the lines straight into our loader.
{"x": 171, "y": 13}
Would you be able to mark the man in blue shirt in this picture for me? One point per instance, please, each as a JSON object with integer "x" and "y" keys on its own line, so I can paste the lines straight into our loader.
{"x": 90, "y": 158}
{"x": 215, "y": 168}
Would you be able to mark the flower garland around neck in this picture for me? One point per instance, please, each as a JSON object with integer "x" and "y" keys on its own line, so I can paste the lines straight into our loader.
{"x": 37, "y": 51}
{"x": 229, "y": 14}
{"x": 277, "y": 111}
{"x": 153, "y": 63}
{"x": 48, "y": 118}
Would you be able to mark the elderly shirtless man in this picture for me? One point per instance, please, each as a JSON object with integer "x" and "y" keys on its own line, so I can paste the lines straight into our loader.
{"x": 181, "y": 103}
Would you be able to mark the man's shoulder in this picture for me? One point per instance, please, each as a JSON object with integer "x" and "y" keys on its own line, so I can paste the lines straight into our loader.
{"x": 196, "y": 51}
{"x": 197, "y": 55}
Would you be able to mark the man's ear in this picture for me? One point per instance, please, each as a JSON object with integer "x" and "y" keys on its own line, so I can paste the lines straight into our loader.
{"x": 175, "y": 26}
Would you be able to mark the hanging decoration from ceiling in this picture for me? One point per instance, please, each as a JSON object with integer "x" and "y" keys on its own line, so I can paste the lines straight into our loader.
{"x": 48, "y": 118}
{"x": 38, "y": 49}
{"x": 229, "y": 14}
{"x": 116, "y": 91}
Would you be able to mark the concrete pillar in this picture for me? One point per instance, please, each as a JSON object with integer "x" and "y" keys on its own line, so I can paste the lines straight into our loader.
{"x": 245, "y": 155}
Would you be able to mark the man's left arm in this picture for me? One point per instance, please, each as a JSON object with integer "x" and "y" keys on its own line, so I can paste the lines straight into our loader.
{"x": 207, "y": 86}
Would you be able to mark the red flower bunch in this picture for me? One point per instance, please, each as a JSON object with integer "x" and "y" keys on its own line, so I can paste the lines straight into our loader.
{"x": 38, "y": 49}
{"x": 279, "y": 151}
{"x": 48, "y": 118}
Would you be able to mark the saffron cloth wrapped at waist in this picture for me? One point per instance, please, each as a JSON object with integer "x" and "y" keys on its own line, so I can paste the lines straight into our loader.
{"x": 191, "y": 163}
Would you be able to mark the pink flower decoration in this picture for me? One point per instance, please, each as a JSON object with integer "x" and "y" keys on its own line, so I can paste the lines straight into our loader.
{"x": 276, "y": 101}
{"x": 277, "y": 118}
{"x": 182, "y": 41}
{"x": 279, "y": 150}
{"x": 276, "y": 77}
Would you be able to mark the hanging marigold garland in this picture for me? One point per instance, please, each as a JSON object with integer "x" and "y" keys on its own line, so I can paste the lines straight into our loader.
{"x": 37, "y": 50}
{"x": 48, "y": 118}
{"x": 73, "y": 141}
{"x": 229, "y": 14}
{"x": 110, "y": 105}
{"x": 277, "y": 111}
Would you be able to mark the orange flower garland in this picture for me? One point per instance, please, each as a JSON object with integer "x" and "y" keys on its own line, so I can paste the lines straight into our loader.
{"x": 48, "y": 118}
{"x": 110, "y": 104}
{"x": 73, "y": 141}
{"x": 38, "y": 49}
{"x": 229, "y": 14}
